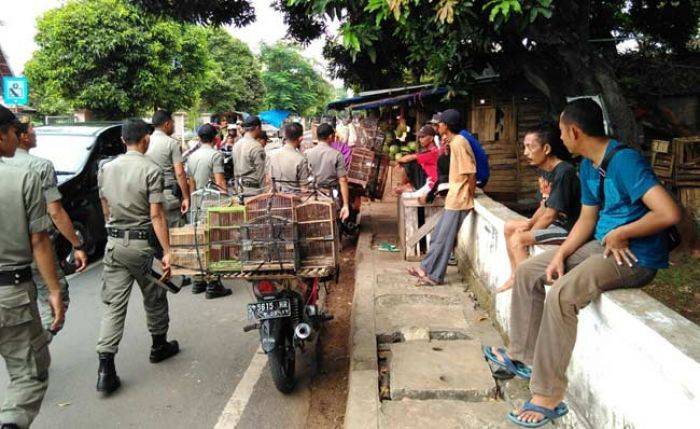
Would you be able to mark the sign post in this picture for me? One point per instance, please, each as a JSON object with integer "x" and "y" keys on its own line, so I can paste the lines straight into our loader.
{"x": 15, "y": 91}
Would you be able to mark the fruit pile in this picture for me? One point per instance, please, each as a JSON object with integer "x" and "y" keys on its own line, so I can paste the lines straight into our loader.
{"x": 396, "y": 151}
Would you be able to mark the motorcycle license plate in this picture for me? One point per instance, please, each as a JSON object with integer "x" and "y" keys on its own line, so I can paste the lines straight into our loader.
{"x": 269, "y": 309}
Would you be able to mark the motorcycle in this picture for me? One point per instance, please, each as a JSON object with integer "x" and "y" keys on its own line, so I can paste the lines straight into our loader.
{"x": 288, "y": 318}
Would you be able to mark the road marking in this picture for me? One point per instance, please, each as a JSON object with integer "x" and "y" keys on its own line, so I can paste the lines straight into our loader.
{"x": 239, "y": 400}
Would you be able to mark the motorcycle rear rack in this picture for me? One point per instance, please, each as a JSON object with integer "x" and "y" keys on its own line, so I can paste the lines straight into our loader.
{"x": 281, "y": 275}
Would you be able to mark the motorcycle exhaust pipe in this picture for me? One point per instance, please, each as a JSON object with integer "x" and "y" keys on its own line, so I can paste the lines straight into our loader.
{"x": 302, "y": 331}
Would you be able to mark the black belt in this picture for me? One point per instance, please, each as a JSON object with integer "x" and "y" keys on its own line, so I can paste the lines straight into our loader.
{"x": 134, "y": 234}
{"x": 9, "y": 278}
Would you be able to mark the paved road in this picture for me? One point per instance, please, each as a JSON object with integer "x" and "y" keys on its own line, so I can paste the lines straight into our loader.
{"x": 189, "y": 391}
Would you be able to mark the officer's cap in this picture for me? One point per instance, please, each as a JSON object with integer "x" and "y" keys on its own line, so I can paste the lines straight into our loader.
{"x": 134, "y": 129}
{"x": 7, "y": 117}
{"x": 251, "y": 122}
{"x": 206, "y": 133}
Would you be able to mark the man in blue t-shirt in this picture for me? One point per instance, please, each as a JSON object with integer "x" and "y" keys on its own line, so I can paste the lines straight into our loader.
{"x": 628, "y": 246}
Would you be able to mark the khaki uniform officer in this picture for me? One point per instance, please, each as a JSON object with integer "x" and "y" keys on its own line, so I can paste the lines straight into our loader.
{"x": 328, "y": 167}
{"x": 249, "y": 158}
{"x": 286, "y": 165}
{"x": 167, "y": 153}
{"x": 204, "y": 165}
{"x": 23, "y": 235}
{"x": 61, "y": 220}
{"x": 131, "y": 189}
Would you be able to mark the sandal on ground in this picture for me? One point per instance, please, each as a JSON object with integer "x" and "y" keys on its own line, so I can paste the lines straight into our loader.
{"x": 388, "y": 247}
{"x": 549, "y": 415}
{"x": 414, "y": 272}
{"x": 513, "y": 367}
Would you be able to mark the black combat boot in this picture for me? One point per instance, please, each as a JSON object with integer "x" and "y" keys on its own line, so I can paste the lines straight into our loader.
{"x": 163, "y": 349}
{"x": 216, "y": 290}
{"x": 199, "y": 287}
{"x": 107, "y": 379}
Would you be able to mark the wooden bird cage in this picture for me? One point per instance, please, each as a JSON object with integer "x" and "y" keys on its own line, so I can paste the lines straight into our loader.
{"x": 225, "y": 238}
{"x": 319, "y": 240}
{"x": 271, "y": 204}
{"x": 662, "y": 158}
{"x": 269, "y": 243}
{"x": 204, "y": 199}
{"x": 188, "y": 249}
{"x": 363, "y": 163}
{"x": 686, "y": 161}
{"x": 381, "y": 177}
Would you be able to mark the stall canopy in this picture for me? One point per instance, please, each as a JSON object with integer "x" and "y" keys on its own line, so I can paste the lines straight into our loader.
{"x": 386, "y": 97}
{"x": 274, "y": 117}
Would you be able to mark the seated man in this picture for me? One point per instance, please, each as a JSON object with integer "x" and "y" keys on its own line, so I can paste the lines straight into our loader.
{"x": 420, "y": 168}
{"x": 628, "y": 212}
{"x": 560, "y": 196}
{"x": 287, "y": 166}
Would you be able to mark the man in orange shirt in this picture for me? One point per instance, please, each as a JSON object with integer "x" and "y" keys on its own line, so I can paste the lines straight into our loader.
{"x": 459, "y": 200}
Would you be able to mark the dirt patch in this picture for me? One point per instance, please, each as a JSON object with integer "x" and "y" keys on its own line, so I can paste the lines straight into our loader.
{"x": 329, "y": 389}
{"x": 679, "y": 286}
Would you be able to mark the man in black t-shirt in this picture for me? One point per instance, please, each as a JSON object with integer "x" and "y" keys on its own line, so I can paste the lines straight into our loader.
{"x": 560, "y": 198}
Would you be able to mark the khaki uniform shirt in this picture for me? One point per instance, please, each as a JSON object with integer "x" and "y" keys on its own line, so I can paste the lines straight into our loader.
{"x": 249, "y": 162}
{"x": 23, "y": 213}
{"x": 460, "y": 195}
{"x": 166, "y": 152}
{"x": 288, "y": 165}
{"x": 203, "y": 163}
{"x": 43, "y": 167}
{"x": 326, "y": 164}
{"x": 130, "y": 184}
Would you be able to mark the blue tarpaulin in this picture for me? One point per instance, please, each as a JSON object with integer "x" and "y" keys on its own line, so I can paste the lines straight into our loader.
{"x": 274, "y": 117}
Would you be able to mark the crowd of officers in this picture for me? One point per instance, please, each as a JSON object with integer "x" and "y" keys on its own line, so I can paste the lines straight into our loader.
{"x": 143, "y": 193}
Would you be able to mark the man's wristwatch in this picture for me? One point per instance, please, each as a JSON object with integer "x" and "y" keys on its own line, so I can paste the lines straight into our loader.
{"x": 80, "y": 246}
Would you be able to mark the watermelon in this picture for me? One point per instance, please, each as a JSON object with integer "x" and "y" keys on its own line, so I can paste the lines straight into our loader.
{"x": 385, "y": 148}
{"x": 412, "y": 146}
{"x": 393, "y": 149}
{"x": 398, "y": 156}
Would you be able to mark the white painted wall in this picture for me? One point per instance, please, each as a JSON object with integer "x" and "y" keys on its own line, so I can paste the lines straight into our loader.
{"x": 636, "y": 363}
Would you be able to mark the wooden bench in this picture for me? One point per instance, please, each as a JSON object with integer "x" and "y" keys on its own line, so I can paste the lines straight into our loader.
{"x": 416, "y": 223}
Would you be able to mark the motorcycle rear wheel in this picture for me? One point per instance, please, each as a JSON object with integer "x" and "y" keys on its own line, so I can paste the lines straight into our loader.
{"x": 282, "y": 362}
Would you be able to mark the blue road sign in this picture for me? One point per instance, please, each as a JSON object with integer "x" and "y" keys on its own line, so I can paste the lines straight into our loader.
{"x": 15, "y": 91}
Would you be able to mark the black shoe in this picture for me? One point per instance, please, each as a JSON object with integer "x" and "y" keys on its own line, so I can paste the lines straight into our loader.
{"x": 9, "y": 426}
{"x": 186, "y": 281}
{"x": 216, "y": 290}
{"x": 107, "y": 379}
{"x": 164, "y": 351}
{"x": 199, "y": 287}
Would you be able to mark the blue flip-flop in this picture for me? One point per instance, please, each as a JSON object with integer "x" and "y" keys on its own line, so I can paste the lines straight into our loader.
{"x": 513, "y": 367}
{"x": 549, "y": 415}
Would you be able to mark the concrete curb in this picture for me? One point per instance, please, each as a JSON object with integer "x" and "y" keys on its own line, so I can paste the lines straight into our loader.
{"x": 362, "y": 409}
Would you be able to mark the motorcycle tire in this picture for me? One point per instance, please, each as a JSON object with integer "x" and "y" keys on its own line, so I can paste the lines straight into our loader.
{"x": 282, "y": 361}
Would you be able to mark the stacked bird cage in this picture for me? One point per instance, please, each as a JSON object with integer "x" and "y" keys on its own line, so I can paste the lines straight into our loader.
{"x": 225, "y": 238}
{"x": 271, "y": 204}
{"x": 318, "y": 234}
{"x": 189, "y": 250}
{"x": 203, "y": 199}
{"x": 376, "y": 188}
{"x": 269, "y": 243}
{"x": 363, "y": 163}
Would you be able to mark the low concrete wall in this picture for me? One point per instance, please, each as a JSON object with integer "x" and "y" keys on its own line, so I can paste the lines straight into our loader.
{"x": 636, "y": 363}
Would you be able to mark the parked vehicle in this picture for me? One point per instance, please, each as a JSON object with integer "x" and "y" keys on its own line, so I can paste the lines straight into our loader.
{"x": 76, "y": 152}
{"x": 288, "y": 319}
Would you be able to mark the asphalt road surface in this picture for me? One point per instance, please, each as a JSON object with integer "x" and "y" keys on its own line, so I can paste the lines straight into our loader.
{"x": 191, "y": 390}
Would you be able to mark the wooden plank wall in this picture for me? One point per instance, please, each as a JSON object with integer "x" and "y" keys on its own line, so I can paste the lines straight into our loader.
{"x": 530, "y": 114}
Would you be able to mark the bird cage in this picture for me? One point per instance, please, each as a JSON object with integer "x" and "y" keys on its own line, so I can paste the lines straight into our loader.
{"x": 376, "y": 189}
{"x": 225, "y": 238}
{"x": 269, "y": 243}
{"x": 271, "y": 204}
{"x": 189, "y": 249}
{"x": 203, "y": 199}
{"x": 362, "y": 166}
{"x": 319, "y": 243}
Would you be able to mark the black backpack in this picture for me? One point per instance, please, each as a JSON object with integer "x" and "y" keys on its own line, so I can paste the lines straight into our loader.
{"x": 673, "y": 237}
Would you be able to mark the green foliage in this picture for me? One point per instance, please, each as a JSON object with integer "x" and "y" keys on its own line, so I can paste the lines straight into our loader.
{"x": 234, "y": 80}
{"x": 291, "y": 82}
{"x": 111, "y": 58}
{"x": 216, "y": 12}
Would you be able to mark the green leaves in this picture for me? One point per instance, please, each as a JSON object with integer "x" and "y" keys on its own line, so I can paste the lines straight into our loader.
{"x": 505, "y": 8}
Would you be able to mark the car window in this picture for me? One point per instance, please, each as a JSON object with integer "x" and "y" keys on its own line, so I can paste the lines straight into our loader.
{"x": 67, "y": 153}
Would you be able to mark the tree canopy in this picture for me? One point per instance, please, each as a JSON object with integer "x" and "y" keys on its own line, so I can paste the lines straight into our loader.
{"x": 215, "y": 12}
{"x": 290, "y": 80}
{"x": 109, "y": 57}
{"x": 234, "y": 79}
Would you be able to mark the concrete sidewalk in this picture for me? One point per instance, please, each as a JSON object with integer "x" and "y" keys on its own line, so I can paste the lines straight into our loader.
{"x": 416, "y": 357}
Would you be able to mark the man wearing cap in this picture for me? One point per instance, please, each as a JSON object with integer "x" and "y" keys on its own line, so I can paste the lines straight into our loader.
{"x": 328, "y": 166}
{"x": 249, "y": 158}
{"x": 131, "y": 191}
{"x": 23, "y": 237}
{"x": 287, "y": 166}
{"x": 420, "y": 168}
{"x": 204, "y": 165}
{"x": 459, "y": 200}
{"x": 167, "y": 153}
{"x": 61, "y": 220}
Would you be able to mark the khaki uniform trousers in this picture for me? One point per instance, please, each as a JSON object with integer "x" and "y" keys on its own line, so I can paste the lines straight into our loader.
{"x": 125, "y": 261}
{"x": 42, "y": 290}
{"x": 543, "y": 332}
{"x": 171, "y": 205}
{"x": 24, "y": 346}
